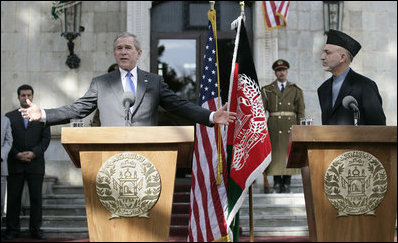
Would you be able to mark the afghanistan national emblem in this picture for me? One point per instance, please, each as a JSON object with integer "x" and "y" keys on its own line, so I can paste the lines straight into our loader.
{"x": 128, "y": 185}
{"x": 250, "y": 128}
{"x": 355, "y": 183}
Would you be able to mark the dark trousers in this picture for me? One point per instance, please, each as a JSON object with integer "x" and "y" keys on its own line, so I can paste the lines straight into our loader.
{"x": 15, "y": 186}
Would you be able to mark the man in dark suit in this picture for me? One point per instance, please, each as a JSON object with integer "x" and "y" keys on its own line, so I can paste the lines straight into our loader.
{"x": 337, "y": 56}
{"x": 25, "y": 162}
{"x": 106, "y": 93}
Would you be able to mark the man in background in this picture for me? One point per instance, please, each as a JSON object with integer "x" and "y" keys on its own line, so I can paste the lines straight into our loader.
{"x": 25, "y": 162}
{"x": 284, "y": 101}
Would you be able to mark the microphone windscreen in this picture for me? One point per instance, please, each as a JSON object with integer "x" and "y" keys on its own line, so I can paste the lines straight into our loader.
{"x": 128, "y": 97}
{"x": 349, "y": 100}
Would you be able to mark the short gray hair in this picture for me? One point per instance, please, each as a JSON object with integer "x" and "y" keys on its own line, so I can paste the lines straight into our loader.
{"x": 137, "y": 44}
{"x": 350, "y": 56}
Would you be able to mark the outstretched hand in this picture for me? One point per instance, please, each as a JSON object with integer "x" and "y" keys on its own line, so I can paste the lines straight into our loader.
{"x": 224, "y": 117}
{"x": 33, "y": 113}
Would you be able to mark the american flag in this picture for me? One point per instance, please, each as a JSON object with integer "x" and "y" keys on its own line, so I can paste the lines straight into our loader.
{"x": 209, "y": 202}
{"x": 275, "y": 14}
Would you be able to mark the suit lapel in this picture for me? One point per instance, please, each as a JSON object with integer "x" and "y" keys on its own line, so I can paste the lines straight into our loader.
{"x": 326, "y": 97}
{"x": 142, "y": 83}
{"x": 115, "y": 83}
{"x": 21, "y": 120}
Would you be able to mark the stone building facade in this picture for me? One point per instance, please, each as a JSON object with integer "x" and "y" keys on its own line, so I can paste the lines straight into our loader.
{"x": 33, "y": 52}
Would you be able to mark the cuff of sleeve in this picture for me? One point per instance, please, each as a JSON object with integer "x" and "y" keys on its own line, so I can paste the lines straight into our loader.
{"x": 43, "y": 116}
{"x": 211, "y": 117}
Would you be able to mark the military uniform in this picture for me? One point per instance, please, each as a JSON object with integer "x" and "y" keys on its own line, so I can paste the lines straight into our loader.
{"x": 285, "y": 109}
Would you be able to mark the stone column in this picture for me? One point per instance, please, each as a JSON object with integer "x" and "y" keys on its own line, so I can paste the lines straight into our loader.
{"x": 139, "y": 24}
{"x": 265, "y": 47}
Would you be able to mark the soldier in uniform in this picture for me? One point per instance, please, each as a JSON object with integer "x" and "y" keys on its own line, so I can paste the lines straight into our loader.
{"x": 284, "y": 102}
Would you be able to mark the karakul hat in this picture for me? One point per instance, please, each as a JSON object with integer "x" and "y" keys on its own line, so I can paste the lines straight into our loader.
{"x": 339, "y": 38}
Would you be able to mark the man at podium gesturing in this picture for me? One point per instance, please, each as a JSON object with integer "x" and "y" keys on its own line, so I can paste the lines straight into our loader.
{"x": 107, "y": 92}
{"x": 346, "y": 91}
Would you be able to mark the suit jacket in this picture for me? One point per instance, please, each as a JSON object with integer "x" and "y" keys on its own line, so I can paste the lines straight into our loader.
{"x": 364, "y": 90}
{"x": 106, "y": 93}
{"x": 35, "y": 138}
{"x": 6, "y": 143}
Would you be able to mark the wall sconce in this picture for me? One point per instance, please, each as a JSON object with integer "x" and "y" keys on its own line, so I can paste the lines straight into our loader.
{"x": 71, "y": 30}
{"x": 332, "y": 15}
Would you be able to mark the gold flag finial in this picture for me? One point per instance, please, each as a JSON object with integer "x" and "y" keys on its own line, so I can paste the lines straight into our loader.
{"x": 212, "y": 5}
{"x": 242, "y": 6}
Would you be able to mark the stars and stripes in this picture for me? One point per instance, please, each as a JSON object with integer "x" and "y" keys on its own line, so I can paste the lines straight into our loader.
{"x": 275, "y": 14}
{"x": 209, "y": 203}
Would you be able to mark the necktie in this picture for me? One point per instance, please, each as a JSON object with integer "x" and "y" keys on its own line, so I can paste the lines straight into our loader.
{"x": 282, "y": 88}
{"x": 129, "y": 83}
{"x": 26, "y": 121}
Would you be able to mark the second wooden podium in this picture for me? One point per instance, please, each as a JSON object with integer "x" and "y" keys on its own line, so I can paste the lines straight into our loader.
{"x": 350, "y": 180}
{"x": 159, "y": 147}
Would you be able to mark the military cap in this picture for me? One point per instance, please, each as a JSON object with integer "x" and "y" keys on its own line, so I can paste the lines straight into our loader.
{"x": 339, "y": 38}
{"x": 279, "y": 64}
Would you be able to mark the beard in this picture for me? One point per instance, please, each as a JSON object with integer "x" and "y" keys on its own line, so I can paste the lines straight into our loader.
{"x": 327, "y": 68}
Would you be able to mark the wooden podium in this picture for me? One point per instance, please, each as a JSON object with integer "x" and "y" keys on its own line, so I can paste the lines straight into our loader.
{"x": 314, "y": 148}
{"x": 90, "y": 147}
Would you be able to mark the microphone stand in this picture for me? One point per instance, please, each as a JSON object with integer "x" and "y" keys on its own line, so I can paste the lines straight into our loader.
{"x": 356, "y": 117}
{"x": 127, "y": 117}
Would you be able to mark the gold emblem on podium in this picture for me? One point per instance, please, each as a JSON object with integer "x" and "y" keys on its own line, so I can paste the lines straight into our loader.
{"x": 355, "y": 183}
{"x": 128, "y": 185}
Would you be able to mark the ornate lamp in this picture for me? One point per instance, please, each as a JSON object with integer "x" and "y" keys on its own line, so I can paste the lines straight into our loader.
{"x": 70, "y": 26}
{"x": 332, "y": 15}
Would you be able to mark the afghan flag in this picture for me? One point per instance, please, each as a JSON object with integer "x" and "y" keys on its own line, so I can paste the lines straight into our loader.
{"x": 248, "y": 142}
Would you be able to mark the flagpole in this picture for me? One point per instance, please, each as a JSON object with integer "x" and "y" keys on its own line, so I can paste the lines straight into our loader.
{"x": 251, "y": 214}
{"x": 242, "y": 9}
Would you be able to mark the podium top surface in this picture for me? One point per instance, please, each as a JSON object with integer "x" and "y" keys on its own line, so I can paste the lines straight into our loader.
{"x": 127, "y": 135}
{"x": 303, "y": 137}
{"x": 339, "y": 133}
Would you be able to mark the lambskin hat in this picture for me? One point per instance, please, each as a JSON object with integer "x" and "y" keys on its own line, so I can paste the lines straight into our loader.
{"x": 280, "y": 64}
{"x": 339, "y": 38}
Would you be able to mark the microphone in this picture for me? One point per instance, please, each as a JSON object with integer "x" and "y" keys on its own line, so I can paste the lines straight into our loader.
{"x": 350, "y": 103}
{"x": 128, "y": 101}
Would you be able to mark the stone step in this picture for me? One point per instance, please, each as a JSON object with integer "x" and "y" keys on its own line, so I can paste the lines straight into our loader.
{"x": 277, "y": 198}
{"x": 181, "y": 197}
{"x": 179, "y": 230}
{"x": 58, "y": 210}
{"x": 57, "y": 232}
{"x": 67, "y": 189}
{"x": 57, "y": 221}
{"x": 274, "y": 220}
{"x": 296, "y": 186}
{"x": 179, "y": 219}
{"x": 277, "y": 231}
{"x": 180, "y": 208}
{"x": 68, "y": 198}
{"x": 274, "y": 209}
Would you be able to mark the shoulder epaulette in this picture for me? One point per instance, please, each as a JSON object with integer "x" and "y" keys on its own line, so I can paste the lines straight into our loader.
{"x": 296, "y": 85}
